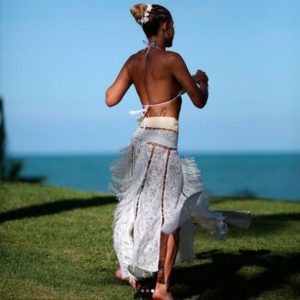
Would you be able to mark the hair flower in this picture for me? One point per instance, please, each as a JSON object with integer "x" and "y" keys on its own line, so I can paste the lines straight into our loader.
{"x": 145, "y": 18}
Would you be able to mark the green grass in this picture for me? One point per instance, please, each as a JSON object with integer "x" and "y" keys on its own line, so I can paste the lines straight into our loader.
{"x": 57, "y": 244}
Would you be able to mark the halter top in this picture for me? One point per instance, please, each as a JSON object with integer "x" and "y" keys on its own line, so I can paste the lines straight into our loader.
{"x": 145, "y": 108}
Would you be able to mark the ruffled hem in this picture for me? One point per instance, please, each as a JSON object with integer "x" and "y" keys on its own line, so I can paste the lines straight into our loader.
{"x": 196, "y": 205}
{"x": 120, "y": 172}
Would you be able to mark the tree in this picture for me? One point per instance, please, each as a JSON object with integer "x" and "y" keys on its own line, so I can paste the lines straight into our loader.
{"x": 12, "y": 171}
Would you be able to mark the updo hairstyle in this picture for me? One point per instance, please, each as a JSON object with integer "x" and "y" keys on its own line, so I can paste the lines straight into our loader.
{"x": 157, "y": 15}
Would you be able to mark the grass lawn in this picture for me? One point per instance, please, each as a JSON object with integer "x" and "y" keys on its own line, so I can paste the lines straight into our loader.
{"x": 57, "y": 244}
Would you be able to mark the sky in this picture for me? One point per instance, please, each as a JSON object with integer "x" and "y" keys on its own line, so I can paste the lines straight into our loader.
{"x": 58, "y": 57}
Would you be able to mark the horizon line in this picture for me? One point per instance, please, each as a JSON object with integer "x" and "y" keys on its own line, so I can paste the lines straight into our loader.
{"x": 182, "y": 152}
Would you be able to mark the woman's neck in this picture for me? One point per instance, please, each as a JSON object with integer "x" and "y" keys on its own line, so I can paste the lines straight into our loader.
{"x": 157, "y": 43}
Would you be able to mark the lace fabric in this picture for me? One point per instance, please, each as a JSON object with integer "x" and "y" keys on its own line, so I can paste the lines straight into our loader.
{"x": 158, "y": 191}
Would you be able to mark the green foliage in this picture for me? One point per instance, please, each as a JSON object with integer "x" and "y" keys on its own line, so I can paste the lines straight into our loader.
{"x": 11, "y": 172}
{"x": 57, "y": 244}
{"x": 2, "y": 141}
{"x": 10, "y": 169}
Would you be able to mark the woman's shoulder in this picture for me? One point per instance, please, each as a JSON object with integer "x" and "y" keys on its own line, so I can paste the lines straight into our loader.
{"x": 173, "y": 57}
{"x": 173, "y": 54}
{"x": 135, "y": 56}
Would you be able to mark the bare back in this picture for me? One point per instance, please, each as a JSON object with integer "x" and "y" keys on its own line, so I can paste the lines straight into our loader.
{"x": 152, "y": 77}
{"x": 158, "y": 77}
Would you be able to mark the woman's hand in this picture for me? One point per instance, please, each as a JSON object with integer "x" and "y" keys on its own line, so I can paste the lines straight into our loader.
{"x": 200, "y": 77}
{"x": 201, "y": 80}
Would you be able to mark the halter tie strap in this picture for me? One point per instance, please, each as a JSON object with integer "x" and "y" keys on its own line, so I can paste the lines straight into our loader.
{"x": 149, "y": 46}
{"x": 145, "y": 108}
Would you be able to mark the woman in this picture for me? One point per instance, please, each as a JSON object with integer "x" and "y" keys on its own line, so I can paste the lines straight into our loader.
{"x": 160, "y": 195}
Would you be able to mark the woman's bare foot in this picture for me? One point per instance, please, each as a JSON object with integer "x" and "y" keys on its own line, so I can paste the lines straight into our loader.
{"x": 162, "y": 296}
{"x": 135, "y": 284}
{"x": 161, "y": 292}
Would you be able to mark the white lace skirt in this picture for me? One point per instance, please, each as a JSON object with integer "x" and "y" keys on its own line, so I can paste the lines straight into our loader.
{"x": 159, "y": 192}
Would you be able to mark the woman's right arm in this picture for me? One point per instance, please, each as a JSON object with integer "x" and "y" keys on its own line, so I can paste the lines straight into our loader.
{"x": 117, "y": 90}
{"x": 198, "y": 94}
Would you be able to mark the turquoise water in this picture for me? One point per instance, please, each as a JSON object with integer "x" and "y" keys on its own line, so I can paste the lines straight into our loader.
{"x": 262, "y": 175}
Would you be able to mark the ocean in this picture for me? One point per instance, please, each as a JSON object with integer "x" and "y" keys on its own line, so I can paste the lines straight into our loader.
{"x": 274, "y": 176}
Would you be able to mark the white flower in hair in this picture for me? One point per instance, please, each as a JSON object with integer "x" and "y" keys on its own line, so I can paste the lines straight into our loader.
{"x": 145, "y": 18}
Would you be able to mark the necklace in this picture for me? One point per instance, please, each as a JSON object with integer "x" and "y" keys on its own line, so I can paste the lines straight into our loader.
{"x": 151, "y": 45}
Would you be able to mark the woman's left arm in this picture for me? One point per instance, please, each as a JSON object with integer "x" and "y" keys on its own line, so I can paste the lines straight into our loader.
{"x": 117, "y": 90}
